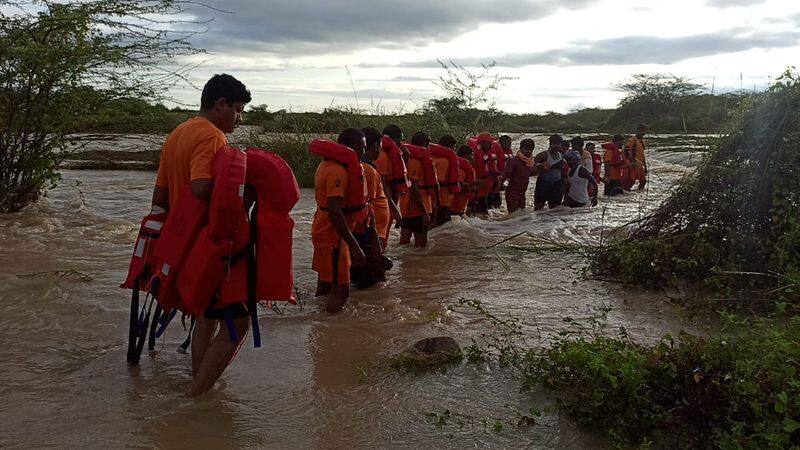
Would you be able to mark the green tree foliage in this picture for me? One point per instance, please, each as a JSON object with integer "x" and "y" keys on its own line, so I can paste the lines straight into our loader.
{"x": 467, "y": 106}
{"x": 60, "y": 62}
{"x": 734, "y": 222}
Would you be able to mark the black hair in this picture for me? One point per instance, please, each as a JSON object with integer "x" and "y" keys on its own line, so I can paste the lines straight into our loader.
{"x": 372, "y": 134}
{"x": 555, "y": 138}
{"x": 505, "y": 138}
{"x": 464, "y": 150}
{"x": 350, "y": 137}
{"x": 393, "y": 131}
{"x": 223, "y": 86}
{"x": 448, "y": 141}
{"x": 617, "y": 138}
{"x": 577, "y": 143}
{"x": 565, "y": 144}
{"x": 590, "y": 143}
{"x": 421, "y": 139}
{"x": 527, "y": 144}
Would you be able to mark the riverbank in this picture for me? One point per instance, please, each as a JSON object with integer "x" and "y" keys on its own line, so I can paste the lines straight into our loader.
{"x": 142, "y": 151}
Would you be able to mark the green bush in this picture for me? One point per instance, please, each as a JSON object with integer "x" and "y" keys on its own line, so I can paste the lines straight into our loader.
{"x": 733, "y": 222}
{"x": 735, "y": 390}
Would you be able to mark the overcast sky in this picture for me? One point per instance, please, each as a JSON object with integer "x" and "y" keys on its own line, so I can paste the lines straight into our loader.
{"x": 566, "y": 54}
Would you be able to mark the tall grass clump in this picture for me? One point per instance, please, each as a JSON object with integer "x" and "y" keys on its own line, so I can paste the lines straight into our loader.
{"x": 734, "y": 222}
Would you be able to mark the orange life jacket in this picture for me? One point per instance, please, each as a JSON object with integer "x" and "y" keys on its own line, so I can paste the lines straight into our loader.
{"x": 597, "y": 164}
{"x": 452, "y": 173}
{"x": 500, "y": 156}
{"x": 469, "y": 173}
{"x": 227, "y": 198}
{"x": 204, "y": 268}
{"x": 480, "y": 161}
{"x": 257, "y": 264}
{"x": 139, "y": 272}
{"x": 492, "y": 157}
{"x": 423, "y": 155}
{"x": 185, "y": 220}
{"x": 140, "y": 268}
{"x": 277, "y": 193}
{"x": 355, "y": 202}
{"x": 399, "y": 179}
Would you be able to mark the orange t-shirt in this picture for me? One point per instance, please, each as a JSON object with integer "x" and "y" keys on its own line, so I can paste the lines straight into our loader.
{"x": 442, "y": 167}
{"x": 329, "y": 181}
{"x": 384, "y": 165}
{"x": 408, "y": 207}
{"x": 375, "y": 194}
{"x": 637, "y": 146}
{"x": 611, "y": 159}
{"x": 459, "y": 203}
{"x": 187, "y": 155}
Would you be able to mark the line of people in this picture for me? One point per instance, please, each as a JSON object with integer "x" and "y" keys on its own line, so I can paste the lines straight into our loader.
{"x": 419, "y": 185}
{"x": 218, "y": 237}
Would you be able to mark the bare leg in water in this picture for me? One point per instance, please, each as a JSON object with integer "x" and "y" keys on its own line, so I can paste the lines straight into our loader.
{"x": 217, "y": 357}
{"x": 201, "y": 340}
{"x": 335, "y": 295}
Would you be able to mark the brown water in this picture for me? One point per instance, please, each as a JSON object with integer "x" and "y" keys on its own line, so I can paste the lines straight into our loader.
{"x": 63, "y": 326}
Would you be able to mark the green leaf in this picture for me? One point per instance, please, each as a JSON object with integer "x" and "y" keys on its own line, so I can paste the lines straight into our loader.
{"x": 790, "y": 425}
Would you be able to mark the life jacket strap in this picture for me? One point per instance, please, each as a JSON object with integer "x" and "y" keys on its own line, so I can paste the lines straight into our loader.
{"x": 347, "y": 209}
{"x": 184, "y": 348}
{"x": 132, "y": 358}
{"x": 234, "y": 336}
{"x": 166, "y": 319}
{"x": 151, "y": 337}
{"x": 252, "y": 300}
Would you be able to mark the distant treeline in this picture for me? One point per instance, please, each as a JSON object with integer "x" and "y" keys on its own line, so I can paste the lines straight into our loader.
{"x": 700, "y": 113}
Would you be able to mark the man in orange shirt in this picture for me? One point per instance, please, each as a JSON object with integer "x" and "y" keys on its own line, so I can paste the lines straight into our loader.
{"x": 384, "y": 206}
{"x": 634, "y": 151}
{"x": 186, "y": 160}
{"x": 335, "y": 248}
{"x": 614, "y": 162}
{"x": 415, "y": 204}
{"x": 442, "y": 166}
{"x": 385, "y": 170}
{"x": 367, "y": 233}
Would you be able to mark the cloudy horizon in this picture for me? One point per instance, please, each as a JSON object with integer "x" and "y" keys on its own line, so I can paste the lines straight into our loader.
{"x": 307, "y": 55}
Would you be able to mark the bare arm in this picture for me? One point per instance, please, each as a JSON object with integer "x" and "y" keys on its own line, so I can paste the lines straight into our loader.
{"x": 584, "y": 173}
{"x": 416, "y": 197}
{"x": 161, "y": 197}
{"x": 336, "y": 215}
{"x": 393, "y": 209}
{"x": 202, "y": 187}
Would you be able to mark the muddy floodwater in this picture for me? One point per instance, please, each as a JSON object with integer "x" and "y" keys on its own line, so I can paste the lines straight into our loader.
{"x": 63, "y": 327}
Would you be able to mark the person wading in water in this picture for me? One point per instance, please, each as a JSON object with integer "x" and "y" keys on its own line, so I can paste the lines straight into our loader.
{"x": 548, "y": 185}
{"x": 518, "y": 172}
{"x": 186, "y": 159}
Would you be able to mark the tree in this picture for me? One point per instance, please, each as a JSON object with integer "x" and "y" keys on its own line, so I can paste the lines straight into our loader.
{"x": 60, "y": 62}
{"x": 657, "y": 89}
{"x": 466, "y": 93}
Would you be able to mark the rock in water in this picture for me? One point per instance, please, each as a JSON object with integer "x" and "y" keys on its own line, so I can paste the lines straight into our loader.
{"x": 429, "y": 354}
{"x": 433, "y": 345}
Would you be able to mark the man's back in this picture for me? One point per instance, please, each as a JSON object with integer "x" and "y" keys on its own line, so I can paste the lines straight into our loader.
{"x": 187, "y": 155}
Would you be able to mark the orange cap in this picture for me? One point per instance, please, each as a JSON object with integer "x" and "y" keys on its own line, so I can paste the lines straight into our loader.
{"x": 485, "y": 137}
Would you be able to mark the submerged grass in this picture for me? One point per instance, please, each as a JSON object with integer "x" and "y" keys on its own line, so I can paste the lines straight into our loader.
{"x": 737, "y": 388}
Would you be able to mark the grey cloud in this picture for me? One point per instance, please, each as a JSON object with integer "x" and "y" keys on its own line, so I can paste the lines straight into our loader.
{"x": 733, "y": 3}
{"x": 362, "y": 94}
{"x": 317, "y": 26}
{"x": 631, "y": 50}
